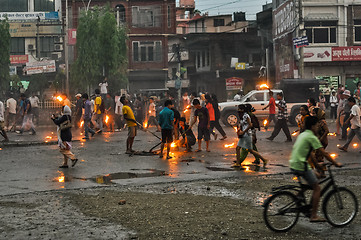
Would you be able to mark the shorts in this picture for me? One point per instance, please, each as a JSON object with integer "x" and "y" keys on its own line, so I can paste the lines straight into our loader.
{"x": 167, "y": 135}
{"x": 245, "y": 142}
{"x": 132, "y": 132}
{"x": 203, "y": 133}
{"x": 308, "y": 175}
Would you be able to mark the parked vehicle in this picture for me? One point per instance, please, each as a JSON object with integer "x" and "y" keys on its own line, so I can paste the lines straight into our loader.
{"x": 296, "y": 92}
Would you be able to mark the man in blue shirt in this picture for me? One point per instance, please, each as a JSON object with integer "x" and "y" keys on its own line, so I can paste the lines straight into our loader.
{"x": 166, "y": 118}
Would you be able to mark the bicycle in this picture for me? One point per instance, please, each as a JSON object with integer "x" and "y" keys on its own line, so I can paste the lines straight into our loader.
{"x": 283, "y": 207}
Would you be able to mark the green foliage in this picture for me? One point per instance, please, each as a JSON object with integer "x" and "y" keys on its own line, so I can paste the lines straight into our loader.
{"x": 4, "y": 55}
{"x": 38, "y": 83}
{"x": 100, "y": 45}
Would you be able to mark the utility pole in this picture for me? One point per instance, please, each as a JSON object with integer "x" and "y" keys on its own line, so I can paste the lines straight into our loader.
{"x": 66, "y": 50}
{"x": 38, "y": 38}
{"x": 179, "y": 76}
{"x": 267, "y": 66}
{"x": 300, "y": 33}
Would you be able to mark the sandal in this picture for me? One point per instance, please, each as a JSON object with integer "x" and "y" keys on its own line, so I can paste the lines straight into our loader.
{"x": 74, "y": 161}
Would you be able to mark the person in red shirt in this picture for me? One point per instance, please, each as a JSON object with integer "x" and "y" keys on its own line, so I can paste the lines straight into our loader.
{"x": 212, "y": 116}
{"x": 272, "y": 109}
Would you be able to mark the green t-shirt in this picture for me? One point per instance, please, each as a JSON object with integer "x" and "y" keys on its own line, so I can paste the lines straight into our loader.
{"x": 305, "y": 142}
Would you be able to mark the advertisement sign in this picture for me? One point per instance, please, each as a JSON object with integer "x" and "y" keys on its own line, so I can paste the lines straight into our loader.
{"x": 40, "y": 67}
{"x": 240, "y": 66}
{"x": 29, "y": 29}
{"x": 19, "y": 59}
{"x": 71, "y": 36}
{"x": 234, "y": 83}
{"x": 300, "y": 42}
{"x": 346, "y": 53}
{"x": 13, "y": 70}
{"x": 284, "y": 19}
{"x": 317, "y": 54}
{"x": 29, "y": 15}
{"x": 332, "y": 54}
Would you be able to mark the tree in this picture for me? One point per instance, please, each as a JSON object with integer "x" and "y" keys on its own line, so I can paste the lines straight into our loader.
{"x": 4, "y": 54}
{"x": 101, "y": 46}
{"x": 38, "y": 83}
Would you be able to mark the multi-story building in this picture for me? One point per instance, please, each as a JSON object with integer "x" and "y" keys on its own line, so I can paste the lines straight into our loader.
{"x": 149, "y": 24}
{"x": 36, "y": 35}
{"x": 333, "y": 30}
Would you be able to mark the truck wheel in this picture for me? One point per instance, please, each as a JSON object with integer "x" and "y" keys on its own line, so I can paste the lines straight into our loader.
{"x": 231, "y": 118}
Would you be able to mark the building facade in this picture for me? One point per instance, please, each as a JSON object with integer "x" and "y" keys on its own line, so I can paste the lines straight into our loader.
{"x": 149, "y": 25}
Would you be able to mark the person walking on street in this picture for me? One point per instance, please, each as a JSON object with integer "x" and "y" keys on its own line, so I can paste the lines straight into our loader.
{"x": 66, "y": 101}
{"x": 118, "y": 113}
{"x": 244, "y": 133}
{"x": 166, "y": 121}
{"x": 131, "y": 124}
{"x": 203, "y": 125}
{"x": 217, "y": 114}
{"x": 27, "y": 115}
{"x": 327, "y": 94}
{"x": 98, "y": 110}
{"x": 281, "y": 119}
{"x": 87, "y": 116}
{"x": 311, "y": 102}
{"x": 78, "y": 110}
{"x": 152, "y": 115}
{"x": 2, "y": 122}
{"x": 354, "y": 120}
{"x": 272, "y": 109}
{"x": 340, "y": 117}
{"x": 333, "y": 104}
{"x": 11, "y": 113}
{"x": 34, "y": 101}
{"x": 346, "y": 114}
{"x": 64, "y": 136}
{"x": 322, "y": 101}
{"x": 212, "y": 117}
{"x": 188, "y": 136}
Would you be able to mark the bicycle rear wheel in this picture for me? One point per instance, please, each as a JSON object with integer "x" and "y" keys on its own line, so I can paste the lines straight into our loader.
{"x": 340, "y": 207}
{"x": 281, "y": 211}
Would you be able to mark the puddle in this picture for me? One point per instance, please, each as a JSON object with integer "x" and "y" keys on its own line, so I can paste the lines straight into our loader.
{"x": 192, "y": 160}
{"x": 107, "y": 179}
{"x": 219, "y": 169}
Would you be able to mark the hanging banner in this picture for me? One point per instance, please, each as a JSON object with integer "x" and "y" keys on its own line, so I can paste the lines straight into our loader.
{"x": 40, "y": 67}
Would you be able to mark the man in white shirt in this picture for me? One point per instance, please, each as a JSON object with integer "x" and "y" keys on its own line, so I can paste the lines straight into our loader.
{"x": 103, "y": 87}
{"x": 2, "y": 122}
{"x": 238, "y": 96}
{"x": 34, "y": 101}
{"x": 118, "y": 113}
{"x": 152, "y": 114}
{"x": 354, "y": 119}
{"x": 11, "y": 113}
{"x": 333, "y": 104}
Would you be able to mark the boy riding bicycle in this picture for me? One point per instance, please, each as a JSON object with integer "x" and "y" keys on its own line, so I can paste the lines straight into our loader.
{"x": 301, "y": 152}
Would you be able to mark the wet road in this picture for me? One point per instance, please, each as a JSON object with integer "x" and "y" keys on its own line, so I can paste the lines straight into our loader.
{"x": 102, "y": 161}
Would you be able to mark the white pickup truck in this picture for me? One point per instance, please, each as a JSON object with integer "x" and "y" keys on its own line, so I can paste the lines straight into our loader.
{"x": 258, "y": 99}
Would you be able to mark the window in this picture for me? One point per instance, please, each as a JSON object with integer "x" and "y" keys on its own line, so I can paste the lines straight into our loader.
{"x": 120, "y": 14}
{"x": 147, "y": 51}
{"x": 44, "y": 5}
{"x": 202, "y": 59}
{"x": 256, "y": 97}
{"x": 14, "y": 5}
{"x": 357, "y": 27}
{"x": 321, "y": 32}
{"x": 218, "y": 22}
{"x": 17, "y": 46}
{"x": 146, "y": 16}
{"x": 46, "y": 46}
{"x": 169, "y": 17}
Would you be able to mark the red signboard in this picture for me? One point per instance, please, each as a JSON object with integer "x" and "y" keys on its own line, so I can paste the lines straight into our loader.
{"x": 346, "y": 53}
{"x": 19, "y": 59}
{"x": 72, "y": 36}
{"x": 234, "y": 83}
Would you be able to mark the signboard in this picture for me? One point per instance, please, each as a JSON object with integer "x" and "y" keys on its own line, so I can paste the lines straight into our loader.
{"x": 240, "y": 66}
{"x": 40, "y": 67}
{"x": 346, "y": 53}
{"x": 28, "y": 29}
{"x": 13, "y": 70}
{"x": 19, "y": 59}
{"x": 71, "y": 36}
{"x": 29, "y": 15}
{"x": 284, "y": 19}
{"x": 300, "y": 42}
{"x": 332, "y": 54}
{"x": 234, "y": 83}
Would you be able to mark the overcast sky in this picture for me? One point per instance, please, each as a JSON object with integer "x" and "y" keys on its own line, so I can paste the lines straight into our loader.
{"x": 251, "y": 7}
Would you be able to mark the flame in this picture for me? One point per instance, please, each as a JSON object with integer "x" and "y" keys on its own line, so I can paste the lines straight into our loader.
{"x": 338, "y": 145}
{"x": 46, "y": 141}
{"x": 264, "y": 86}
{"x": 145, "y": 124}
{"x": 265, "y": 122}
{"x": 235, "y": 128}
{"x": 333, "y": 155}
{"x": 48, "y": 137}
{"x": 295, "y": 178}
{"x": 348, "y": 129}
{"x": 106, "y": 118}
{"x": 61, "y": 179}
{"x": 150, "y": 111}
{"x": 173, "y": 145}
{"x": 295, "y": 133}
{"x": 187, "y": 108}
{"x": 81, "y": 123}
{"x": 59, "y": 98}
{"x": 355, "y": 145}
{"x": 246, "y": 169}
{"x": 228, "y": 145}
{"x": 1, "y": 149}
{"x": 332, "y": 134}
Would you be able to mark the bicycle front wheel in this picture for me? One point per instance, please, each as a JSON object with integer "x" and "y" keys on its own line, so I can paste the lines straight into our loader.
{"x": 340, "y": 207}
{"x": 281, "y": 211}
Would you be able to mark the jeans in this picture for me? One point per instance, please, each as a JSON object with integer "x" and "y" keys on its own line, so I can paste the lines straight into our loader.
{"x": 281, "y": 124}
{"x": 99, "y": 120}
{"x": 351, "y": 135}
{"x": 333, "y": 113}
{"x": 345, "y": 126}
{"x": 28, "y": 119}
{"x": 215, "y": 124}
{"x": 87, "y": 128}
{"x": 271, "y": 117}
